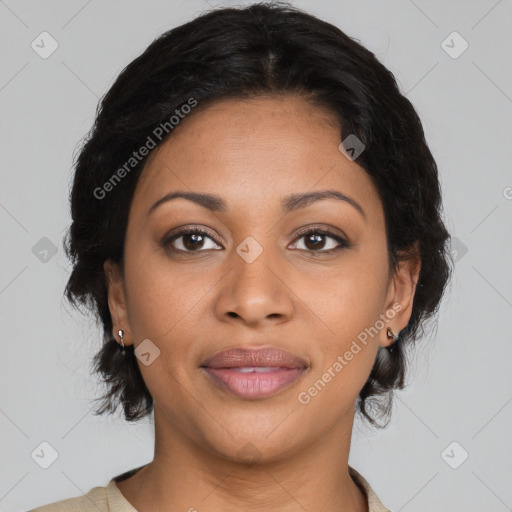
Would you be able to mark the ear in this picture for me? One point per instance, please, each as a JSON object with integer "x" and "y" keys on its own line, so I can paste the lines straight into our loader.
{"x": 402, "y": 288}
{"x": 117, "y": 301}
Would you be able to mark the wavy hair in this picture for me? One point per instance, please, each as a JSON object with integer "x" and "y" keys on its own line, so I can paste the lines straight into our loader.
{"x": 262, "y": 49}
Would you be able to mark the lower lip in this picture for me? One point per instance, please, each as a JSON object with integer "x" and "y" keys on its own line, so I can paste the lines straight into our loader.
{"x": 254, "y": 385}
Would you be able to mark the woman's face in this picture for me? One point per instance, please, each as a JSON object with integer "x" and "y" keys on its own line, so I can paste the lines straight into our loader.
{"x": 254, "y": 279}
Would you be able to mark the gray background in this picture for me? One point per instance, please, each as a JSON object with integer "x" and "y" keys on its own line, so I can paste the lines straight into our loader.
{"x": 461, "y": 389}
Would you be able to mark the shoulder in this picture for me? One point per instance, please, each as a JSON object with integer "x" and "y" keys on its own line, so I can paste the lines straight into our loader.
{"x": 94, "y": 501}
{"x": 374, "y": 503}
{"x": 98, "y": 499}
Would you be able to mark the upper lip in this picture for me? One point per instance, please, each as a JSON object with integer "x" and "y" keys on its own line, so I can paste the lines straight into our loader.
{"x": 249, "y": 357}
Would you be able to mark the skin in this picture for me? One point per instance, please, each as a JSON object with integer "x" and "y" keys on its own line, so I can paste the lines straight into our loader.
{"x": 311, "y": 303}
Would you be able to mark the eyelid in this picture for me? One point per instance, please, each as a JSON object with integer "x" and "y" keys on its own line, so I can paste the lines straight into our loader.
{"x": 328, "y": 230}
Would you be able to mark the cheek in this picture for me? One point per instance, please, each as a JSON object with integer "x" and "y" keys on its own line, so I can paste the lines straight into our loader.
{"x": 150, "y": 300}
{"x": 160, "y": 309}
{"x": 346, "y": 306}
{"x": 347, "y": 298}
{"x": 345, "y": 344}
{"x": 160, "y": 292}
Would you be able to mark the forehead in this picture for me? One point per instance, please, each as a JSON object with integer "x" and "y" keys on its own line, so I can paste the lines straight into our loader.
{"x": 253, "y": 151}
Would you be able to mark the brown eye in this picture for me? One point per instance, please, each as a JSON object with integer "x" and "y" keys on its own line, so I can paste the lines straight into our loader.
{"x": 192, "y": 240}
{"x": 316, "y": 241}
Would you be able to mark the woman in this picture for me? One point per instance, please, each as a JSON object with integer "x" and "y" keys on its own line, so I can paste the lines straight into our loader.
{"x": 257, "y": 223}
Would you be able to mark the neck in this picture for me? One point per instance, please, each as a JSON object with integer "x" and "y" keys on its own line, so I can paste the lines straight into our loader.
{"x": 185, "y": 476}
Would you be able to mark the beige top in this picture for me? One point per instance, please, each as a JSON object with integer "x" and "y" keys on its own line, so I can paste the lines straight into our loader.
{"x": 110, "y": 499}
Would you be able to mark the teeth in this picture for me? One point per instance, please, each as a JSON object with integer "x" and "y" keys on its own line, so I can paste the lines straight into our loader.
{"x": 248, "y": 369}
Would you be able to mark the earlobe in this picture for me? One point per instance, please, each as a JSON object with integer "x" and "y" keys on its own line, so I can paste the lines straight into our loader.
{"x": 117, "y": 300}
{"x": 403, "y": 289}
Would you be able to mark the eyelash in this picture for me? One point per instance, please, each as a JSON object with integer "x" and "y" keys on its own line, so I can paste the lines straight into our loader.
{"x": 343, "y": 244}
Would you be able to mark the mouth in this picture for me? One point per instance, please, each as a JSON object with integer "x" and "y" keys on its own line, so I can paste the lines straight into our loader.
{"x": 253, "y": 374}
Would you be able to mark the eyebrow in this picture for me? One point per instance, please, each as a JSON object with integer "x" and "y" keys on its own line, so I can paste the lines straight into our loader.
{"x": 290, "y": 203}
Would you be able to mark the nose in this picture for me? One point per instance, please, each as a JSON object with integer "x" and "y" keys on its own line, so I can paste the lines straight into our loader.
{"x": 256, "y": 292}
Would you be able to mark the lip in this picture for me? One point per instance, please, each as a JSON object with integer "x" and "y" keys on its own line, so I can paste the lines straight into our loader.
{"x": 254, "y": 373}
{"x": 261, "y": 357}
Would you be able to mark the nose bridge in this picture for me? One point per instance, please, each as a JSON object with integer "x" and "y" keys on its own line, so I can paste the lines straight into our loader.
{"x": 258, "y": 249}
{"x": 254, "y": 291}
{"x": 253, "y": 264}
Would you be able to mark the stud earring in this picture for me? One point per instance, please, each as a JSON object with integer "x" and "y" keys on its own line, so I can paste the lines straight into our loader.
{"x": 121, "y": 347}
{"x": 391, "y": 336}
